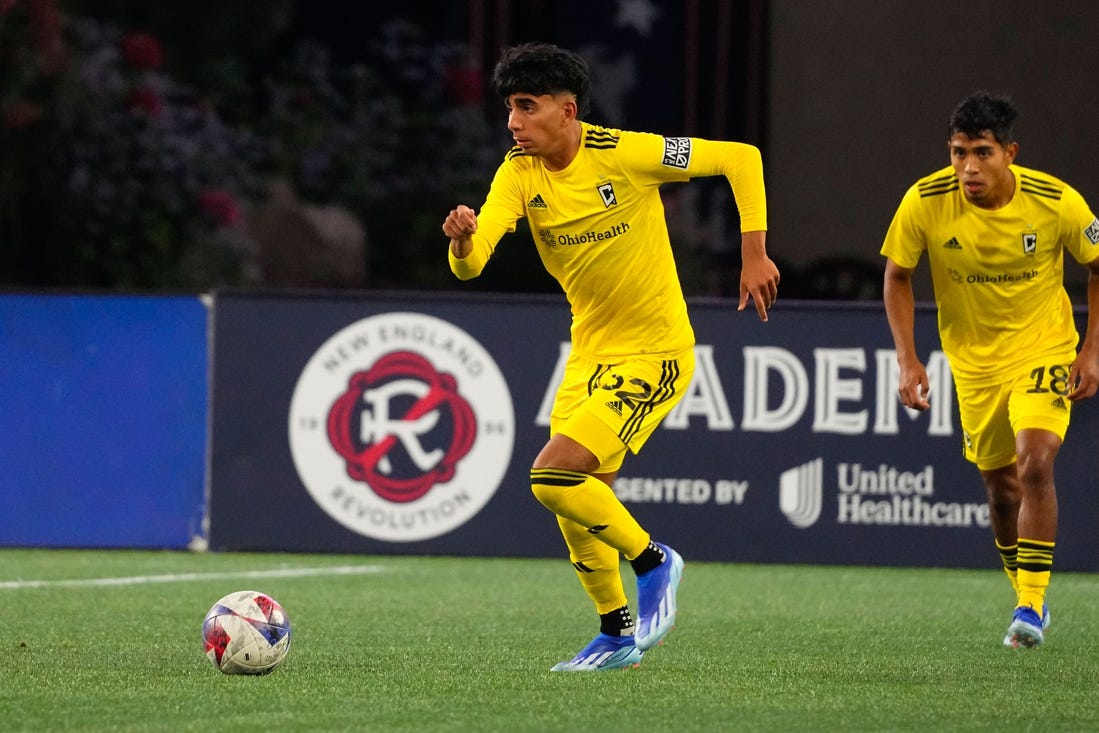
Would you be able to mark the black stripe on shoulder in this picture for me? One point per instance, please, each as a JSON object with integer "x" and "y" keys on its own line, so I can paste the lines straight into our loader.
{"x": 515, "y": 152}
{"x": 1040, "y": 192}
{"x": 594, "y": 134}
{"x": 600, "y": 139}
{"x": 938, "y": 186}
{"x": 1040, "y": 187}
{"x": 925, "y": 182}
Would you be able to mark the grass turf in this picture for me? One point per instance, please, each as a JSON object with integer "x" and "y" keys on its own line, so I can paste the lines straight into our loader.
{"x": 465, "y": 644}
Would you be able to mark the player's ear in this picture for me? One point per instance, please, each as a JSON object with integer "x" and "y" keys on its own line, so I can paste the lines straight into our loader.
{"x": 569, "y": 108}
{"x": 1011, "y": 150}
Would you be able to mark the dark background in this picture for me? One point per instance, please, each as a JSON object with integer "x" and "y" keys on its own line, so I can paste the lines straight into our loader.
{"x": 320, "y": 144}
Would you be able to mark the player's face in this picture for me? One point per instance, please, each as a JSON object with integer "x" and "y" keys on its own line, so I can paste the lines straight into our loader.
{"x": 982, "y": 165}
{"x": 538, "y": 124}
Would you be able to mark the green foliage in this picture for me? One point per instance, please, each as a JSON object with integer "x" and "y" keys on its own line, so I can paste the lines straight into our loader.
{"x": 457, "y": 644}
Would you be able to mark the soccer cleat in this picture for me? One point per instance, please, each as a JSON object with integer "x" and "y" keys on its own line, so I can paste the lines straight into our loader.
{"x": 656, "y": 599}
{"x": 1027, "y": 629}
{"x": 603, "y": 652}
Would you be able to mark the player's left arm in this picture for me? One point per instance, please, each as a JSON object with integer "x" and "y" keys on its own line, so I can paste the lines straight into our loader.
{"x": 1081, "y": 235}
{"x": 1083, "y": 375}
{"x": 742, "y": 166}
{"x": 653, "y": 159}
{"x": 759, "y": 275}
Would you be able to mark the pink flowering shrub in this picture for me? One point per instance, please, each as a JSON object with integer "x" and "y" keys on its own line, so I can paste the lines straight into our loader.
{"x": 141, "y": 51}
{"x": 116, "y": 174}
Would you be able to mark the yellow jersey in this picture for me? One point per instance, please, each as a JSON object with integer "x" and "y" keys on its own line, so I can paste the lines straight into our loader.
{"x": 600, "y": 230}
{"x": 998, "y": 275}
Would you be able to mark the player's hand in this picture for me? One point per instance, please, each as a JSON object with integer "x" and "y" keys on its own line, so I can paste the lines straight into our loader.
{"x": 914, "y": 387}
{"x": 759, "y": 278}
{"x": 460, "y": 223}
{"x": 1083, "y": 378}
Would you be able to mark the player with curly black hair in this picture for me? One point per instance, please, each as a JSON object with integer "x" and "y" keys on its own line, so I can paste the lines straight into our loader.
{"x": 591, "y": 197}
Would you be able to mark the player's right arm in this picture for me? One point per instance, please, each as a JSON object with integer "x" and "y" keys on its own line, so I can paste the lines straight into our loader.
{"x": 903, "y": 246}
{"x": 473, "y": 236}
{"x": 460, "y": 225}
{"x": 900, "y": 309}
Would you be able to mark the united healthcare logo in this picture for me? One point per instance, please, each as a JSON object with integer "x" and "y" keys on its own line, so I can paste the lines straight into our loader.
{"x": 800, "y": 491}
{"x": 401, "y": 427}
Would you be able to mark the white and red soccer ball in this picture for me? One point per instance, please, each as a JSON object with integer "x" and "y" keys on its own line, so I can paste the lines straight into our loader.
{"x": 246, "y": 632}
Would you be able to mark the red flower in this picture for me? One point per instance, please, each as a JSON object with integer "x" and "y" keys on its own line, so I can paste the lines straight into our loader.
{"x": 219, "y": 207}
{"x": 464, "y": 85}
{"x": 144, "y": 99}
{"x": 46, "y": 32}
{"x": 142, "y": 51}
{"x": 19, "y": 114}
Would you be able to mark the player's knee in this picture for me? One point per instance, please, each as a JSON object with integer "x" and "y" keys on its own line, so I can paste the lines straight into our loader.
{"x": 547, "y": 496}
{"x": 551, "y": 486}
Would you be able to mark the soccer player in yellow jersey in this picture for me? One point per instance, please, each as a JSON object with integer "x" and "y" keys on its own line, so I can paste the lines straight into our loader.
{"x": 995, "y": 235}
{"x": 591, "y": 197}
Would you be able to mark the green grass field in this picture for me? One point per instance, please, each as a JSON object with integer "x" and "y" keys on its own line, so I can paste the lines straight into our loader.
{"x": 110, "y": 640}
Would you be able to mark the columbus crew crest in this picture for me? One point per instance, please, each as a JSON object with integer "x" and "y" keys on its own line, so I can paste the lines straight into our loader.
{"x": 401, "y": 427}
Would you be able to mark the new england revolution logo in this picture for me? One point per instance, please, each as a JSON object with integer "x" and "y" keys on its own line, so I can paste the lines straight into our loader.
{"x": 401, "y": 427}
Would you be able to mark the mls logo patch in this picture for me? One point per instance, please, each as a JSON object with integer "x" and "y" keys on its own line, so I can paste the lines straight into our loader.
{"x": 677, "y": 152}
{"x": 1092, "y": 232}
{"x": 1030, "y": 243}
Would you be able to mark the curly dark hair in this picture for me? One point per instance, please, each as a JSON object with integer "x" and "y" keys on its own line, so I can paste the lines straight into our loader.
{"x": 983, "y": 111}
{"x": 543, "y": 68}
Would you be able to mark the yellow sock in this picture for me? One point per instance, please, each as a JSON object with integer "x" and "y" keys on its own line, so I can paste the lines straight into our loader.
{"x": 597, "y": 565}
{"x": 1009, "y": 556}
{"x": 592, "y": 504}
{"x": 1035, "y": 565}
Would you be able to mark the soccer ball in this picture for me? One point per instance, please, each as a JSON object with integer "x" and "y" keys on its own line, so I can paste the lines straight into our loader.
{"x": 246, "y": 632}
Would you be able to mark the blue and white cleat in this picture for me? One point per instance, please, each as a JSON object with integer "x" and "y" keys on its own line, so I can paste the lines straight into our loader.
{"x": 1027, "y": 629}
{"x": 603, "y": 652}
{"x": 656, "y": 599}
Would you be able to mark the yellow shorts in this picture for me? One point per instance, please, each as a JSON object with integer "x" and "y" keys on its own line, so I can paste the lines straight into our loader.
{"x": 992, "y": 416}
{"x": 610, "y": 407}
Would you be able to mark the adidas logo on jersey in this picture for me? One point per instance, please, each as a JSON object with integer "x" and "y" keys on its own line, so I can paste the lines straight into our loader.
{"x": 952, "y": 243}
{"x": 1059, "y": 402}
{"x": 537, "y": 202}
{"x": 616, "y": 406}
